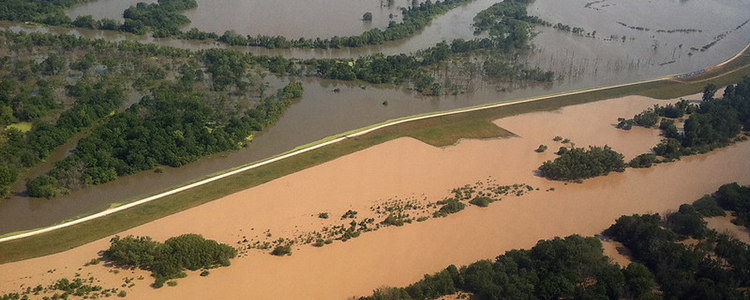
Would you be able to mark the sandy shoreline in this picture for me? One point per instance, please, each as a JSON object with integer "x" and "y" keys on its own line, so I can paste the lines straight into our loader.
{"x": 407, "y": 168}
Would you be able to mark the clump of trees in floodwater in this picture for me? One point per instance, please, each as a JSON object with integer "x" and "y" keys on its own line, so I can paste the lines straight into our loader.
{"x": 714, "y": 266}
{"x": 712, "y": 123}
{"x": 170, "y": 259}
{"x": 579, "y": 163}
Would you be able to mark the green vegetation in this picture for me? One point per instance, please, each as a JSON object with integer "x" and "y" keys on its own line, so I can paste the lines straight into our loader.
{"x": 481, "y": 201}
{"x": 282, "y": 250}
{"x": 577, "y": 163}
{"x": 168, "y": 260}
{"x": 737, "y": 199}
{"x": 64, "y": 288}
{"x": 42, "y": 11}
{"x": 165, "y": 128}
{"x": 712, "y": 124}
{"x": 159, "y": 18}
{"x": 541, "y": 149}
{"x": 569, "y": 268}
{"x": 645, "y": 160}
{"x": 682, "y": 271}
{"x": 367, "y": 16}
{"x": 449, "y": 206}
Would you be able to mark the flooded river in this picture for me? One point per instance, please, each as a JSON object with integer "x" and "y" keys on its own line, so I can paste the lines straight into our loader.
{"x": 584, "y": 62}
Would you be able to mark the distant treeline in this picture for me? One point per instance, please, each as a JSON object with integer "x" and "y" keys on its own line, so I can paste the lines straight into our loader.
{"x": 161, "y": 20}
{"x": 415, "y": 18}
{"x": 664, "y": 267}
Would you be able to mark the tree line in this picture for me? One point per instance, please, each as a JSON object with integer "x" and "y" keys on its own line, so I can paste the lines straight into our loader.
{"x": 414, "y": 18}
{"x": 162, "y": 20}
{"x": 574, "y": 267}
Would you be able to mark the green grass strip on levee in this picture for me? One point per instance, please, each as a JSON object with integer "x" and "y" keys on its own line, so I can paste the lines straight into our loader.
{"x": 438, "y": 131}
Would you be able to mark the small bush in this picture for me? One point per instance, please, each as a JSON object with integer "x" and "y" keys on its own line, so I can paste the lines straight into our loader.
{"x": 319, "y": 243}
{"x": 449, "y": 206}
{"x": 350, "y": 214}
{"x": 625, "y": 124}
{"x": 323, "y": 215}
{"x": 205, "y": 273}
{"x": 282, "y": 250}
{"x": 93, "y": 261}
{"x": 541, "y": 149}
{"x": 557, "y": 138}
{"x": 172, "y": 283}
{"x": 122, "y": 294}
{"x": 393, "y": 219}
{"x": 481, "y": 201}
{"x": 645, "y": 160}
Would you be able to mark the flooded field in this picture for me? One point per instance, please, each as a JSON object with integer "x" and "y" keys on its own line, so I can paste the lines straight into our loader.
{"x": 584, "y": 62}
{"x": 397, "y": 256}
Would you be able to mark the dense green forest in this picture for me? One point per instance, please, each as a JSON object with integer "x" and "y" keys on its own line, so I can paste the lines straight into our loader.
{"x": 170, "y": 259}
{"x": 160, "y": 18}
{"x": 735, "y": 198}
{"x": 36, "y": 10}
{"x": 664, "y": 266}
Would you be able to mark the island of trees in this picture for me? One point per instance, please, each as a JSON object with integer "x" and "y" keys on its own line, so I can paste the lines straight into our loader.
{"x": 170, "y": 259}
{"x": 577, "y": 164}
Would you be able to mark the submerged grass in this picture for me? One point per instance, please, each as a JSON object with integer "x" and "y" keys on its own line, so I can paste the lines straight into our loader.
{"x": 439, "y": 131}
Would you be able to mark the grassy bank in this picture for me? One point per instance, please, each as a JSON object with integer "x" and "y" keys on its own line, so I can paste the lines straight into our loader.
{"x": 439, "y": 131}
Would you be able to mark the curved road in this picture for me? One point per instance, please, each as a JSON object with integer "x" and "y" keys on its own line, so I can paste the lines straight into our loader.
{"x": 313, "y": 147}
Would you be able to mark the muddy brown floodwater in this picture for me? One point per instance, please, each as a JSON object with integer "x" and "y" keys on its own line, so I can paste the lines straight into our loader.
{"x": 584, "y": 62}
{"x": 397, "y": 256}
